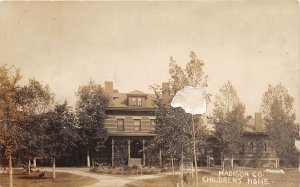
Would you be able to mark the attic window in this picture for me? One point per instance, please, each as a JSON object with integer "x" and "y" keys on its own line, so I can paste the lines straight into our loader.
{"x": 133, "y": 101}
{"x": 136, "y": 101}
{"x": 139, "y": 101}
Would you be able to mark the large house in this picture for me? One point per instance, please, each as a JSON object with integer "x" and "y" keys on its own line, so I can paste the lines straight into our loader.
{"x": 130, "y": 124}
{"x": 256, "y": 150}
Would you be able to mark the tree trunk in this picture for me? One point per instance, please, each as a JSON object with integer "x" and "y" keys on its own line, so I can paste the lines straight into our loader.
{"x": 299, "y": 161}
{"x": 232, "y": 162}
{"x": 160, "y": 158}
{"x": 88, "y": 158}
{"x": 192, "y": 168}
{"x": 223, "y": 164}
{"x": 207, "y": 160}
{"x": 54, "y": 174}
{"x": 181, "y": 167}
{"x": 194, "y": 149}
{"x": 172, "y": 162}
{"x": 10, "y": 171}
{"x": 222, "y": 161}
{"x": 276, "y": 163}
{"x": 34, "y": 162}
{"x": 29, "y": 166}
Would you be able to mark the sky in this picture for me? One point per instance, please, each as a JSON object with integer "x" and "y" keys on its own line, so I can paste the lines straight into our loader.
{"x": 66, "y": 44}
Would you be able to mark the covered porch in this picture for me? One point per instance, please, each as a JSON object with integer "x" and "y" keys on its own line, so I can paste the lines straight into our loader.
{"x": 129, "y": 149}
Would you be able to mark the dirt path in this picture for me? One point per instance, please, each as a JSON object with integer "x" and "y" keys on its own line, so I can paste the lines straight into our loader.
{"x": 104, "y": 180}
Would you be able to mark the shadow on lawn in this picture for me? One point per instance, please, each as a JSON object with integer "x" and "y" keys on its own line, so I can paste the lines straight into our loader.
{"x": 34, "y": 177}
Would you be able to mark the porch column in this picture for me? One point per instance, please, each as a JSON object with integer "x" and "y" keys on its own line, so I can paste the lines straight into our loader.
{"x": 128, "y": 150}
{"x": 34, "y": 162}
{"x": 160, "y": 158}
{"x": 112, "y": 152}
{"x": 144, "y": 155}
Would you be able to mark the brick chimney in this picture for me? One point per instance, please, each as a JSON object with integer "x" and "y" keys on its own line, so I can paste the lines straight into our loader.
{"x": 165, "y": 91}
{"x": 108, "y": 88}
{"x": 258, "y": 122}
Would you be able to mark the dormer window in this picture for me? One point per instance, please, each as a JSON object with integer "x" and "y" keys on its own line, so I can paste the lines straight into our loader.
{"x": 136, "y": 101}
{"x": 139, "y": 101}
{"x": 136, "y": 98}
{"x": 133, "y": 101}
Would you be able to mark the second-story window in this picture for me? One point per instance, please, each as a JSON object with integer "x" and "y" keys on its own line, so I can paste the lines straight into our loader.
{"x": 152, "y": 124}
{"x": 137, "y": 125}
{"x": 251, "y": 147}
{"x": 120, "y": 124}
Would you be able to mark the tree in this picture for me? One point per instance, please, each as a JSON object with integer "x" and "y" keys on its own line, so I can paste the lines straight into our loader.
{"x": 35, "y": 100}
{"x": 279, "y": 116}
{"x": 228, "y": 118}
{"x": 192, "y": 75}
{"x": 60, "y": 132}
{"x": 10, "y": 114}
{"x": 173, "y": 125}
{"x": 90, "y": 111}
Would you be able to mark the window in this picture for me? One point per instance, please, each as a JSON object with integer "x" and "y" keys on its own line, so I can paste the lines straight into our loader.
{"x": 265, "y": 147}
{"x": 243, "y": 148}
{"x": 137, "y": 125}
{"x": 120, "y": 124}
{"x": 251, "y": 147}
{"x": 136, "y": 101}
{"x": 152, "y": 124}
{"x": 133, "y": 101}
{"x": 139, "y": 101}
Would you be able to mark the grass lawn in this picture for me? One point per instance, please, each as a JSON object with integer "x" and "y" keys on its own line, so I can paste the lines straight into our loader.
{"x": 21, "y": 179}
{"x": 210, "y": 178}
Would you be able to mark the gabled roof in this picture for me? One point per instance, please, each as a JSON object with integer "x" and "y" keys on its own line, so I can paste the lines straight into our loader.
{"x": 136, "y": 92}
{"x": 120, "y": 100}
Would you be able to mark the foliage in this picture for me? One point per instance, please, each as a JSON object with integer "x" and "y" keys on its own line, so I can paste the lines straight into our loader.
{"x": 60, "y": 130}
{"x": 173, "y": 125}
{"x": 279, "y": 115}
{"x": 121, "y": 152}
{"x": 90, "y": 111}
{"x": 192, "y": 75}
{"x": 228, "y": 118}
{"x": 9, "y": 107}
{"x": 21, "y": 111}
{"x": 36, "y": 100}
